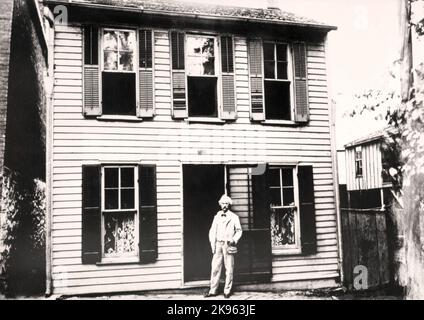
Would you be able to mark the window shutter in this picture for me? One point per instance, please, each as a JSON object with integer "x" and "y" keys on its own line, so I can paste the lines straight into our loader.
{"x": 179, "y": 100}
{"x": 146, "y": 105}
{"x": 308, "y": 232}
{"x": 257, "y": 111}
{"x": 91, "y": 214}
{"x": 148, "y": 213}
{"x": 261, "y": 209}
{"x": 91, "y": 71}
{"x": 228, "y": 91}
{"x": 300, "y": 83}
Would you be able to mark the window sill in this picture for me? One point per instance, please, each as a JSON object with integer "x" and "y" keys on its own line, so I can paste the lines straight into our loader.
{"x": 119, "y": 118}
{"x": 117, "y": 261}
{"x": 286, "y": 252}
{"x": 281, "y": 123}
{"x": 205, "y": 120}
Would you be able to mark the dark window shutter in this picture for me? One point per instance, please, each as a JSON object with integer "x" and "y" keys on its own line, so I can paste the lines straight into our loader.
{"x": 91, "y": 103}
{"x": 228, "y": 85}
{"x": 308, "y": 232}
{"x": 179, "y": 88}
{"x": 146, "y": 104}
{"x": 148, "y": 243}
{"x": 261, "y": 209}
{"x": 257, "y": 111}
{"x": 91, "y": 214}
{"x": 300, "y": 83}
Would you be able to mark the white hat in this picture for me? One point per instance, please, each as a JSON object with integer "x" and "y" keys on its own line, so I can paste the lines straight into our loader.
{"x": 225, "y": 199}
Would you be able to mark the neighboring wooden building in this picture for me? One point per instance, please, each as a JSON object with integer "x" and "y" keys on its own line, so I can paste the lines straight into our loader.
{"x": 159, "y": 107}
{"x": 367, "y": 176}
{"x": 23, "y": 85}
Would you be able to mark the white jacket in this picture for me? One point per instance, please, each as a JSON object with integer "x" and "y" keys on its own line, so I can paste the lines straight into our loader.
{"x": 233, "y": 229}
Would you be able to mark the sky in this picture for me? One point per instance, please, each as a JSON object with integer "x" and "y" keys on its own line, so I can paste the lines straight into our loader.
{"x": 361, "y": 52}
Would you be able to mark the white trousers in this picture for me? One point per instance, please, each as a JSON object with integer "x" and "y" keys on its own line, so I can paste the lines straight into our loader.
{"x": 221, "y": 256}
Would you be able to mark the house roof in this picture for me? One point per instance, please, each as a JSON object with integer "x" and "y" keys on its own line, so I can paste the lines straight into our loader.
{"x": 374, "y": 136}
{"x": 173, "y": 7}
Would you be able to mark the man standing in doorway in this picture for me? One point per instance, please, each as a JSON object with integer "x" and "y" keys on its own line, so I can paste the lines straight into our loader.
{"x": 224, "y": 234}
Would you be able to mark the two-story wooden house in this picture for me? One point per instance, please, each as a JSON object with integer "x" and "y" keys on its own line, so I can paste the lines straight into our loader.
{"x": 160, "y": 107}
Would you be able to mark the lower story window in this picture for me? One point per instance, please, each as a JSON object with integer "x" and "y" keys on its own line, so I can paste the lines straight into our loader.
{"x": 285, "y": 229}
{"x": 119, "y": 213}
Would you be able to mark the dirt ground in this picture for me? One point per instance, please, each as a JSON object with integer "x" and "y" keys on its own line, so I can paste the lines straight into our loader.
{"x": 333, "y": 294}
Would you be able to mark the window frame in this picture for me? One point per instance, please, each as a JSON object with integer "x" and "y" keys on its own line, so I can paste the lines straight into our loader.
{"x": 218, "y": 74}
{"x": 358, "y": 162}
{"x": 295, "y": 248}
{"x": 136, "y": 67}
{"x": 290, "y": 78}
{"x": 130, "y": 257}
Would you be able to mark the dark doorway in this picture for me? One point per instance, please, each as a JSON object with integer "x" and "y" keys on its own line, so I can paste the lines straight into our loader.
{"x": 203, "y": 186}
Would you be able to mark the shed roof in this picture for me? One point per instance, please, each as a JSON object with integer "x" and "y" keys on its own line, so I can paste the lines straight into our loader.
{"x": 171, "y": 7}
{"x": 371, "y": 137}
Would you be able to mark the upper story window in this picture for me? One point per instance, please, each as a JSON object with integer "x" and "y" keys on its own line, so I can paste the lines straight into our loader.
{"x": 202, "y": 79}
{"x": 358, "y": 161}
{"x": 118, "y": 72}
{"x": 277, "y": 82}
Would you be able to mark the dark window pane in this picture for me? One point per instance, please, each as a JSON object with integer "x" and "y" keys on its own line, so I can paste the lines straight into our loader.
{"x": 127, "y": 199}
{"x": 269, "y": 69}
{"x": 281, "y": 52}
{"x": 111, "y": 199}
{"x": 275, "y": 196}
{"x": 269, "y": 51}
{"x": 202, "y": 97}
{"x": 274, "y": 177}
{"x": 111, "y": 178}
{"x": 288, "y": 196}
{"x": 127, "y": 177}
{"x": 287, "y": 177}
{"x": 282, "y": 70}
{"x": 277, "y": 100}
{"x": 118, "y": 93}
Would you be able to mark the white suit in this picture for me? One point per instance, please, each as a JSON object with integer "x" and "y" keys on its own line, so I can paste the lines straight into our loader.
{"x": 222, "y": 231}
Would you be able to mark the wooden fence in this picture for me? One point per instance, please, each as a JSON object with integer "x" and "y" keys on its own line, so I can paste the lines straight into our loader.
{"x": 366, "y": 243}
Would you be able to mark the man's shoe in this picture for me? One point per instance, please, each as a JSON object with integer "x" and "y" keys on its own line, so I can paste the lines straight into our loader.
{"x": 227, "y": 295}
{"x": 208, "y": 295}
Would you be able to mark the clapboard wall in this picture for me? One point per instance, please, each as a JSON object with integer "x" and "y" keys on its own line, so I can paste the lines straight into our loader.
{"x": 169, "y": 143}
{"x": 371, "y": 167}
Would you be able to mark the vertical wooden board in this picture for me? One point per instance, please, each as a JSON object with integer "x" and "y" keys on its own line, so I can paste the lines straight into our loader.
{"x": 353, "y": 240}
{"x": 347, "y": 249}
{"x": 373, "y": 256}
{"x": 383, "y": 248}
{"x": 348, "y": 170}
{"x": 372, "y": 161}
{"x": 379, "y": 167}
{"x": 366, "y": 166}
{"x": 367, "y": 246}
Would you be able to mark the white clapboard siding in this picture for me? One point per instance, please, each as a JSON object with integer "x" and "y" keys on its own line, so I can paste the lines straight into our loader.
{"x": 371, "y": 167}
{"x": 168, "y": 143}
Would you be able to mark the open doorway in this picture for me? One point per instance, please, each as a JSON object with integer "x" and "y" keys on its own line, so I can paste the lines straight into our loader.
{"x": 203, "y": 186}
